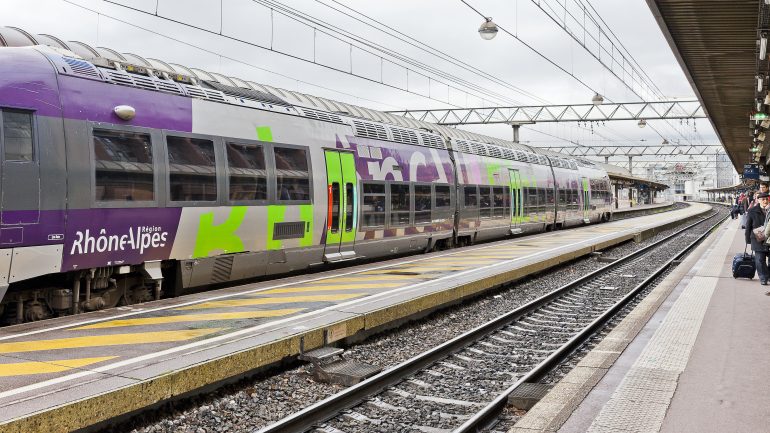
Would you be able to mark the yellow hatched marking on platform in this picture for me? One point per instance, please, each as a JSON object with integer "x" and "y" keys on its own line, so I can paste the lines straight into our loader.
{"x": 381, "y": 276}
{"x": 499, "y": 257}
{"x": 267, "y": 301}
{"x": 332, "y": 287}
{"x": 439, "y": 269}
{"x": 456, "y": 259}
{"x": 34, "y": 367}
{"x": 191, "y": 318}
{"x": 389, "y": 271}
{"x": 105, "y": 340}
{"x": 412, "y": 268}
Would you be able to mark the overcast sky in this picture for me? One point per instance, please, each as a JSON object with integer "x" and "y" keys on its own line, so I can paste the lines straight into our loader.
{"x": 447, "y": 25}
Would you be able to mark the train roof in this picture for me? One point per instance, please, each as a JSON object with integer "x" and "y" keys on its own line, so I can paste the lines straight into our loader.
{"x": 327, "y": 108}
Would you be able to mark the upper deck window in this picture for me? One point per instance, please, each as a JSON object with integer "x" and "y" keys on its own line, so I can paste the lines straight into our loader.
{"x": 18, "y": 135}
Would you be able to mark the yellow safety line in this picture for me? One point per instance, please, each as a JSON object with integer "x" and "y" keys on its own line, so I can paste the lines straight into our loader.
{"x": 35, "y": 367}
{"x": 266, "y": 301}
{"x": 105, "y": 340}
{"x": 191, "y": 318}
{"x": 359, "y": 286}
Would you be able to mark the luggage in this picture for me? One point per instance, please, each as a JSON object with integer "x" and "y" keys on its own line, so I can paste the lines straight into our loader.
{"x": 743, "y": 265}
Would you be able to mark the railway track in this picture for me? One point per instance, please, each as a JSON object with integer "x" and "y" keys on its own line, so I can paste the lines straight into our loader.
{"x": 464, "y": 384}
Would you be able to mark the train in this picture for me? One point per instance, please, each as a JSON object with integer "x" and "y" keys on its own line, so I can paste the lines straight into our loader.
{"x": 125, "y": 179}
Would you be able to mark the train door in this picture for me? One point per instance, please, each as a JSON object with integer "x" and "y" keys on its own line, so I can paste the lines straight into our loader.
{"x": 20, "y": 172}
{"x": 586, "y": 200}
{"x": 342, "y": 217}
{"x": 517, "y": 207}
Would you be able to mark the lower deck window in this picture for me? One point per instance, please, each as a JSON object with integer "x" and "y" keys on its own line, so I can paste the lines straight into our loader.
{"x": 123, "y": 166}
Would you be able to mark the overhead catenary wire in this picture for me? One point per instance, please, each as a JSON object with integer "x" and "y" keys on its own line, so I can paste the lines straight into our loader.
{"x": 563, "y": 25}
{"x": 216, "y": 53}
{"x": 534, "y": 50}
{"x": 282, "y": 9}
{"x": 301, "y": 16}
{"x": 427, "y": 48}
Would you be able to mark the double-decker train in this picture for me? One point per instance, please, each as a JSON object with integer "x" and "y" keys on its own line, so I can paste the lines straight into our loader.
{"x": 124, "y": 178}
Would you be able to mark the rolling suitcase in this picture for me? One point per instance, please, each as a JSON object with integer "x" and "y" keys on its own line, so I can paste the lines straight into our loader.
{"x": 743, "y": 265}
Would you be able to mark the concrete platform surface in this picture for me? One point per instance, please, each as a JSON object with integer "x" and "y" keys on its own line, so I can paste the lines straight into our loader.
{"x": 701, "y": 364}
{"x": 76, "y": 371}
{"x": 643, "y": 207}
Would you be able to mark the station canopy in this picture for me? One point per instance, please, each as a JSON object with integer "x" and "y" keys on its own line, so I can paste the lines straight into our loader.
{"x": 715, "y": 42}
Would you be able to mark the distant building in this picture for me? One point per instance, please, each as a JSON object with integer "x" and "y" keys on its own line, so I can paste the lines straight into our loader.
{"x": 725, "y": 172}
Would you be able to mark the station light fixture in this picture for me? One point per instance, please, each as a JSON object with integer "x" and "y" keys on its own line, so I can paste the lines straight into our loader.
{"x": 760, "y": 82}
{"x": 488, "y": 29}
{"x": 642, "y": 123}
{"x": 759, "y": 116}
{"x": 597, "y": 99}
{"x": 763, "y": 46}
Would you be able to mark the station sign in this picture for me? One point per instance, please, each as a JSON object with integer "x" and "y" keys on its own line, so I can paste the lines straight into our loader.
{"x": 760, "y": 116}
{"x": 751, "y": 171}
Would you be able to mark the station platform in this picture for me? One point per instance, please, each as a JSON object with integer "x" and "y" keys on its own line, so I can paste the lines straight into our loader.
{"x": 694, "y": 356}
{"x": 79, "y": 371}
{"x": 642, "y": 207}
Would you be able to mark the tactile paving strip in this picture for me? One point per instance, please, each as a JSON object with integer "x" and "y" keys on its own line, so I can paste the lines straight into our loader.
{"x": 641, "y": 400}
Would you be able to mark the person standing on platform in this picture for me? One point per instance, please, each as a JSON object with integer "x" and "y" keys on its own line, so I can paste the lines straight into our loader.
{"x": 744, "y": 204}
{"x": 755, "y": 218}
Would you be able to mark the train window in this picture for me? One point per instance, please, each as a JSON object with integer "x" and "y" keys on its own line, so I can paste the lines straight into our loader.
{"x": 541, "y": 199}
{"x": 471, "y": 196}
{"x": 350, "y": 205}
{"x": 18, "y": 137}
{"x": 422, "y": 204}
{"x": 373, "y": 209}
{"x": 443, "y": 196}
{"x": 192, "y": 169}
{"x": 123, "y": 166}
{"x": 246, "y": 171}
{"x": 485, "y": 201}
{"x": 499, "y": 202}
{"x": 292, "y": 174}
{"x": 562, "y": 196}
{"x": 531, "y": 203}
{"x": 400, "y": 204}
{"x": 549, "y": 196}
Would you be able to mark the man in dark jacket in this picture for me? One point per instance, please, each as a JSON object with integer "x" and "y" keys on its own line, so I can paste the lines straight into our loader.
{"x": 756, "y": 218}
